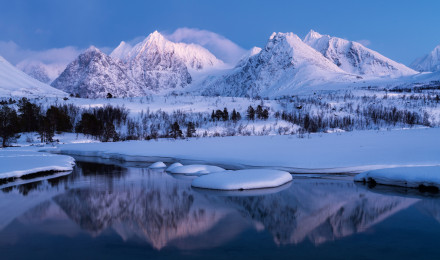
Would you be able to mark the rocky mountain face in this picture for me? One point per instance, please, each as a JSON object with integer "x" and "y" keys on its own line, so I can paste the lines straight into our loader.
{"x": 94, "y": 74}
{"x": 285, "y": 64}
{"x": 152, "y": 66}
{"x": 430, "y": 62}
{"x": 355, "y": 58}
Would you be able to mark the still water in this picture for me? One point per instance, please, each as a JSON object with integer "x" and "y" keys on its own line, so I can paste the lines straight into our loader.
{"x": 105, "y": 211}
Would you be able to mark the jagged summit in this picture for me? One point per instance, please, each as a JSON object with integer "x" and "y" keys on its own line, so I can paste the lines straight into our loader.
{"x": 430, "y": 62}
{"x": 312, "y": 35}
{"x": 355, "y": 58}
{"x": 94, "y": 74}
{"x": 284, "y": 65}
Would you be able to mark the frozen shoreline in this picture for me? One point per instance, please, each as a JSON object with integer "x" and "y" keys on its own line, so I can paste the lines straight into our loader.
{"x": 351, "y": 152}
{"x": 16, "y": 163}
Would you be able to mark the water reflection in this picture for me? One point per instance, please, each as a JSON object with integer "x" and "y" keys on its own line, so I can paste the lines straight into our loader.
{"x": 154, "y": 208}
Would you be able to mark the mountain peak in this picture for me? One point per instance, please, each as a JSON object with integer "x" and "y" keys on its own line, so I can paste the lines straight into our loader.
{"x": 92, "y": 48}
{"x": 430, "y": 62}
{"x": 312, "y": 35}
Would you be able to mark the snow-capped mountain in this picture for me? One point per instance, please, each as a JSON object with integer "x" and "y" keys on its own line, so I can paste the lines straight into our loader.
{"x": 45, "y": 73}
{"x": 355, "y": 58}
{"x": 157, "y": 64}
{"x": 252, "y": 52}
{"x": 430, "y": 62}
{"x": 14, "y": 82}
{"x": 284, "y": 65}
{"x": 94, "y": 74}
{"x": 194, "y": 56}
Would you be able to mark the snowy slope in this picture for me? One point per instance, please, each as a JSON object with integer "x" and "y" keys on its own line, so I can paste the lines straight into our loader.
{"x": 283, "y": 66}
{"x": 355, "y": 58}
{"x": 94, "y": 74}
{"x": 430, "y": 62}
{"x": 14, "y": 82}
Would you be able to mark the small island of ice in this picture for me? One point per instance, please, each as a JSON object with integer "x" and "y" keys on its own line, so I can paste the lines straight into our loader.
{"x": 196, "y": 169}
{"x": 157, "y": 165}
{"x": 172, "y": 166}
{"x": 411, "y": 177}
{"x": 243, "y": 180}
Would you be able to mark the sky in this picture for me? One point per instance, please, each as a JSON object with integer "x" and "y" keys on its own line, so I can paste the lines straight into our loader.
{"x": 401, "y": 30}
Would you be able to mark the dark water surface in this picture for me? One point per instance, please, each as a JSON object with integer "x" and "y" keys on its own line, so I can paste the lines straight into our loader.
{"x": 118, "y": 212}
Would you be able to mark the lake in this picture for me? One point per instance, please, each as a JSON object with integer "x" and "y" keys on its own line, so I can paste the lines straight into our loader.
{"x": 110, "y": 210}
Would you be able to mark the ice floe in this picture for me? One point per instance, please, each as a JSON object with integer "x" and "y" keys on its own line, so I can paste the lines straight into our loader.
{"x": 157, "y": 165}
{"x": 243, "y": 179}
{"x": 196, "y": 169}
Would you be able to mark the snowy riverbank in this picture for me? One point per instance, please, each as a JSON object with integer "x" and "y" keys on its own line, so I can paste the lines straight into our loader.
{"x": 15, "y": 163}
{"x": 320, "y": 153}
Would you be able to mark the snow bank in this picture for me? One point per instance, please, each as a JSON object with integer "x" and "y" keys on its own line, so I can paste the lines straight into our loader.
{"x": 196, "y": 169}
{"x": 243, "y": 180}
{"x": 16, "y": 163}
{"x": 174, "y": 165}
{"x": 157, "y": 165}
{"x": 411, "y": 177}
{"x": 320, "y": 153}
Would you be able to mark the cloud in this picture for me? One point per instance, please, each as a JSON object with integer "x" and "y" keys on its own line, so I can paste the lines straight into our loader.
{"x": 219, "y": 45}
{"x": 14, "y": 54}
{"x": 364, "y": 42}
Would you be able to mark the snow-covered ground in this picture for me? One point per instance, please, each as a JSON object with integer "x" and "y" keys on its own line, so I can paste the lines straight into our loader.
{"x": 16, "y": 163}
{"x": 317, "y": 153}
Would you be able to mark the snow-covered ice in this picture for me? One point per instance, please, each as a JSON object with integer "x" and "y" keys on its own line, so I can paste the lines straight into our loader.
{"x": 356, "y": 151}
{"x": 196, "y": 169}
{"x": 243, "y": 180}
{"x": 411, "y": 177}
{"x": 172, "y": 166}
{"x": 157, "y": 165}
{"x": 16, "y": 163}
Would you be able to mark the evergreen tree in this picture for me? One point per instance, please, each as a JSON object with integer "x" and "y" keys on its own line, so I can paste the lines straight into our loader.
{"x": 213, "y": 116}
{"x": 29, "y": 115}
{"x": 109, "y": 133}
{"x": 234, "y": 115}
{"x": 259, "y": 112}
{"x": 109, "y": 95}
{"x": 89, "y": 125}
{"x": 9, "y": 125}
{"x": 59, "y": 119}
{"x": 190, "y": 130}
{"x": 225, "y": 115}
{"x": 265, "y": 114}
{"x": 250, "y": 113}
{"x": 46, "y": 129}
{"x": 175, "y": 131}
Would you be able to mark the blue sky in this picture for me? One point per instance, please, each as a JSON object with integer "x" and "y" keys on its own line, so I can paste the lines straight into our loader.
{"x": 401, "y": 30}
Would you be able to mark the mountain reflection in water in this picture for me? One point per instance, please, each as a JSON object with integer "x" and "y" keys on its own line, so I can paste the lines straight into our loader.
{"x": 151, "y": 207}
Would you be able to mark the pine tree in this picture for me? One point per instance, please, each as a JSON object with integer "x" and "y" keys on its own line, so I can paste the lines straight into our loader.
{"x": 234, "y": 115}
{"x": 250, "y": 113}
{"x": 190, "y": 130}
{"x": 9, "y": 125}
{"x": 175, "y": 131}
{"x": 225, "y": 116}
{"x": 259, "y": 112}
